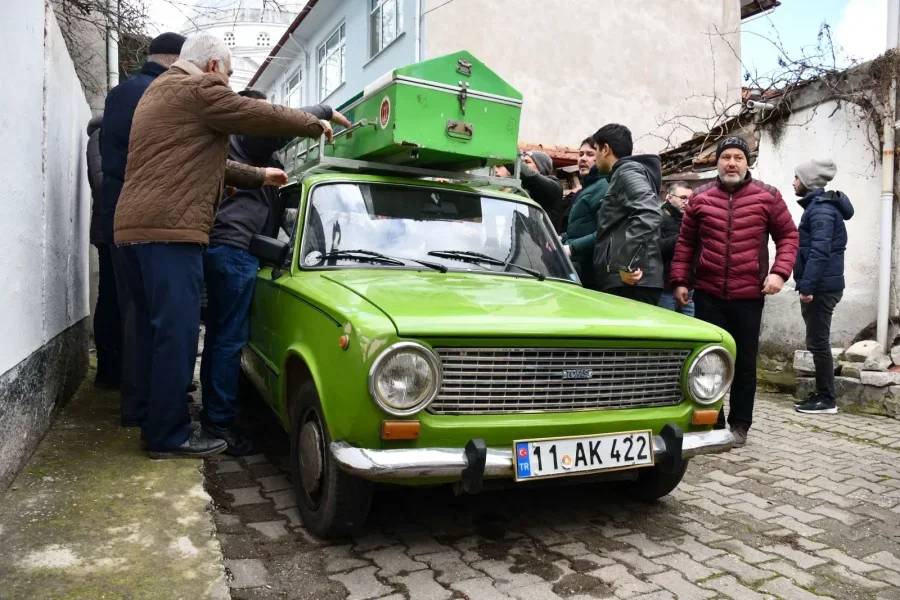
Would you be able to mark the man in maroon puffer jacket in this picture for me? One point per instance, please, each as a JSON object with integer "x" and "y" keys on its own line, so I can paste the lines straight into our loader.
{"x": 728, "y": 223}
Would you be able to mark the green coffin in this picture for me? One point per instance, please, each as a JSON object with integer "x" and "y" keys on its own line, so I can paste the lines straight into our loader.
{"x": 450, "y": 112}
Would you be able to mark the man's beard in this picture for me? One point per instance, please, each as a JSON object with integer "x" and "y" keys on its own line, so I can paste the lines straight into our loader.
{"x": 731, "y": 179}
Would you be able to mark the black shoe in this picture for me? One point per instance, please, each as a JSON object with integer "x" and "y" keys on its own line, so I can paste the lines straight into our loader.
{"x": 197, "y": 445}
{"x": 818, "y": 407}
{"x": 238, "y": 443}
{"x": 811, "y": 397}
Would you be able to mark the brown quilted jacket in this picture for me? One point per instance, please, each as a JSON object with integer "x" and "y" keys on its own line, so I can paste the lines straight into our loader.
{"x": 177, "y": 154}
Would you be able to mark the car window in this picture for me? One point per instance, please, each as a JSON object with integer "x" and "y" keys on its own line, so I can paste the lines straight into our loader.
{"x": 410, "y": 222}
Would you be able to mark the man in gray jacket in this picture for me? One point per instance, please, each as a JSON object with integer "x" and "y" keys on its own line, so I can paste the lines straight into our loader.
{"x": 627, "y": 261}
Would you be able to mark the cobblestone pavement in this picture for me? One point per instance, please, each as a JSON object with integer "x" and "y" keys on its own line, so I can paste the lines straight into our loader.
{"x": 810, "y": 508}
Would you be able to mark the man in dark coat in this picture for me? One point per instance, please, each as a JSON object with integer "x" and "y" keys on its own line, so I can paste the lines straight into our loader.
{"x": 819, "y": 271}
{"x": 580, "y": 233}
{"x": 626, "y": 256}
{"x": 540, "y": 183}
{"x": 107, "y": 321}
{"x": 121, "y": 103}
{"x": 672, "y": 212}
{"x": 229, "y": 271}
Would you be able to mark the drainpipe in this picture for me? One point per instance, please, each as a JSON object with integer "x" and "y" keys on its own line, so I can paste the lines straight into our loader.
{"x": 418, "y": 11}
{"x": 887, "y": 189}
{"x": 112, "y": 44}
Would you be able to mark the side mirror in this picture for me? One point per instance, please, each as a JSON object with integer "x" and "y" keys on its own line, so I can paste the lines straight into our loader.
{"x": 269, "y": 251}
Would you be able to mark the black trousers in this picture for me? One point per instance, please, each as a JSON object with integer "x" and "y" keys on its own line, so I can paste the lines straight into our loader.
{"x": 132, "y": 411}
{"x": 817, "y": 316}
{"x": 742, "y": 319}
{"x": 647, "y": 295}
{"x": 107, "y": 322}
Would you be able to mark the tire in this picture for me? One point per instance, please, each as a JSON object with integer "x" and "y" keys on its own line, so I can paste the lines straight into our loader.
{"x": 332, "y": 503}
{"x": 652, "y": 484}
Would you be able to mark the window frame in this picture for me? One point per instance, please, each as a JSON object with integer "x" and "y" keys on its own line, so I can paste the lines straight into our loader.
{"x": 286, "y": 91}
{"x": 322, "y": 49}
{"x": 399, "y": 29}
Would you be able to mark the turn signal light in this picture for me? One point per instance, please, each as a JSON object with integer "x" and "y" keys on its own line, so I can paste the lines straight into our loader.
{"x": 705, "y": 417}
{"x": 399, "y": 430}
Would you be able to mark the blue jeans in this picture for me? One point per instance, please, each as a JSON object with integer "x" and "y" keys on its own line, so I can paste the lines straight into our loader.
{"x": 230, "y": 275}
{"x": 164, "y": 281}
{"x": 668, "y": 301}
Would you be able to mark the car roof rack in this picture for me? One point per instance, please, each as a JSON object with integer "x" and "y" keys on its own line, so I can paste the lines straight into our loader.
{"x": 303, "y": 159}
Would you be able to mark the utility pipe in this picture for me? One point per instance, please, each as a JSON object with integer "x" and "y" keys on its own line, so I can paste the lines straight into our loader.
{"x": 887, "y": 189}
{"x": 418, "y": 11}
{"x": 112, "y": 43}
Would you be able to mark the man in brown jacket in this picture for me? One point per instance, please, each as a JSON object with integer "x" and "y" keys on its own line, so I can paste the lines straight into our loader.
{"x": 177, "y": 167}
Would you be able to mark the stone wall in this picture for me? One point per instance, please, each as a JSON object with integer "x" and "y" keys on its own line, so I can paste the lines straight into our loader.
{"x": 44, "y": 252}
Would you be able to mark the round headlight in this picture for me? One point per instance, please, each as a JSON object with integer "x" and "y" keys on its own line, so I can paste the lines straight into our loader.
{"x": 710, "y": 375}
{"x": 405, "y": 378}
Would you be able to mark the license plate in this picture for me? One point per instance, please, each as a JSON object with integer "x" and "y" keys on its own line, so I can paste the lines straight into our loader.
{"x": 539, "y": 459}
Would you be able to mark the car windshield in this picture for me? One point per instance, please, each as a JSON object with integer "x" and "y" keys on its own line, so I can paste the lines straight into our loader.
{"x": 393, "y": 226}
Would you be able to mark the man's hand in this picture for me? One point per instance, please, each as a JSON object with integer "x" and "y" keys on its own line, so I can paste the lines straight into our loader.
{"x": 327, "y": 130}
{"x": 340, "y": 119}
{"x": 631, "y": 278}
{"x": 275, "y": 177}
{"x": 806, "y": 298}
{"x": 568, "y": 249}
{"x": 773, "y": 284}
{"x": 682, "y": 295}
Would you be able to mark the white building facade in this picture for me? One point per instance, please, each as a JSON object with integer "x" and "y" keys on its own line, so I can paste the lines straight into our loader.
{"x": 577, "y": 65}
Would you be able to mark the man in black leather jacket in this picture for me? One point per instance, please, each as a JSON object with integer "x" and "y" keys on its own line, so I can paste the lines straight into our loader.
{"x": 627, "y": 261}
{"x": 229, "y": 271}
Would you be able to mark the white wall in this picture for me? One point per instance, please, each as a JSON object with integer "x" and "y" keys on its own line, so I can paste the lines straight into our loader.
{"x": 44, "y": 251}
{"x": 582, "y": 63}
{"x": 839, "y": 136}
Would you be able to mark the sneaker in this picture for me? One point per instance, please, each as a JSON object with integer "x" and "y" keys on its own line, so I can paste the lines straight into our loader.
{"x": 197, "y": 445}
{"x": 818, "y": 407}
{"x": 740, "y": 436}
{"x": 809, "y": 398}
{"x": 238, "y": 443}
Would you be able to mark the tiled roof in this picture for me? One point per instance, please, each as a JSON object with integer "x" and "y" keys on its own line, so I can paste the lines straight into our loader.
{"x": 563, "y": 156}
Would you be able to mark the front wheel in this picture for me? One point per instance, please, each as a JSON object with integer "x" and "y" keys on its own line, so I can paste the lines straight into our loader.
{"x": 653, "y": 483}
{"x": 331, "y": 503}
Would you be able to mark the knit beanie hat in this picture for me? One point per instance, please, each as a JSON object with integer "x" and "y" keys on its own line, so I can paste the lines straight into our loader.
{"x": 733, "y": 141}
{"x": 167, "y": 43}
{"x": 816, "y": 173}
{"x": 543, "y": 161}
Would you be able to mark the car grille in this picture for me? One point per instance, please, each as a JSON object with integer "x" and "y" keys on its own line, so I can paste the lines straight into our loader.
{"x": 518, "y": 380}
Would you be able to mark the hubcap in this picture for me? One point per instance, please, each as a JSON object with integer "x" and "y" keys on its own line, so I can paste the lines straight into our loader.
{"x": 311, "y": 458}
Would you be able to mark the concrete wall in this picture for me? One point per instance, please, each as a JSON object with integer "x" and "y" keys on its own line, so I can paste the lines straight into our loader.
{"x": 583, "y": 63}
{"x": 44, "y": 254}
{"x": 360, "y": 68}
{"x": 842, "y": 137}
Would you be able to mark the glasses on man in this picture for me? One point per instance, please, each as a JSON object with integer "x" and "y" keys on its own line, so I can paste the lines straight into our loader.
{"x": 685, "y": 198}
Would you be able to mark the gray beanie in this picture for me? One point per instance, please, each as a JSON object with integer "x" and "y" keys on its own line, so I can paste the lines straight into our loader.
{"x": 543, "y": 161}
{"x": 816, "y": 173}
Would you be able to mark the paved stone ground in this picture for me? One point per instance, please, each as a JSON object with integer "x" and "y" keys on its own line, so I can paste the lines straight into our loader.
{"x": 809, "y": 509}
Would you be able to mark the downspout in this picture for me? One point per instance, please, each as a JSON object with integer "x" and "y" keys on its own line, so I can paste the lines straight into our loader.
{"x": 418, "y": 11}
{"x": 112, "y": 43}
{"x": 887, "y": 189}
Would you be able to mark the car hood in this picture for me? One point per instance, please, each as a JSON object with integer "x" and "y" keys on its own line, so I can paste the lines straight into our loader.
{"x": 481, "y": 305}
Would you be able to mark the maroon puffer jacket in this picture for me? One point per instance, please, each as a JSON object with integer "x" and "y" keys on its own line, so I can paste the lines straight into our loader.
{"x": 730, "y": 230}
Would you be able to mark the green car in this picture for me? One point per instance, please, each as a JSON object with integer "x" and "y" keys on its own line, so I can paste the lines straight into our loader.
{"x": 414, "y": 331}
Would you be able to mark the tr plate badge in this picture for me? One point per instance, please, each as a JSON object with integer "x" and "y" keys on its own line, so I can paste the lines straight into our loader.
{"x": 577, "y": 374}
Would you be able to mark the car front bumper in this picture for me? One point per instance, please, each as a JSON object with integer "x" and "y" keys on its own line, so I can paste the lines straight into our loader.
{"x": 450, "y": 463}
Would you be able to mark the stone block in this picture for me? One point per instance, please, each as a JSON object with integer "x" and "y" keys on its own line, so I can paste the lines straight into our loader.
{"x": 877, "y": 363}
{"x": 895, "y": 355}
{"x": 851, "y": 369}
{"x": 880, "y": 379}
{"x": 805, "y": 387}
{"x": 803, "y": 362}
{"x": 861, "y": 351}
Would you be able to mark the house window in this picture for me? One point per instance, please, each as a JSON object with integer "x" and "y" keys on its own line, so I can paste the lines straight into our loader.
{"x": 263, "y": 40}
{"x": 385, "y": 23}
{"x": 229, "y": 39}
{"x": 292, "y": 95}
{"x": 331, "y": 63}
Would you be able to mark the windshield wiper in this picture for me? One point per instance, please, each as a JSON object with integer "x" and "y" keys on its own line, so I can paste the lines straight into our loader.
{"x": 477, "y": 257}
{"x": 371, "y": 256}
